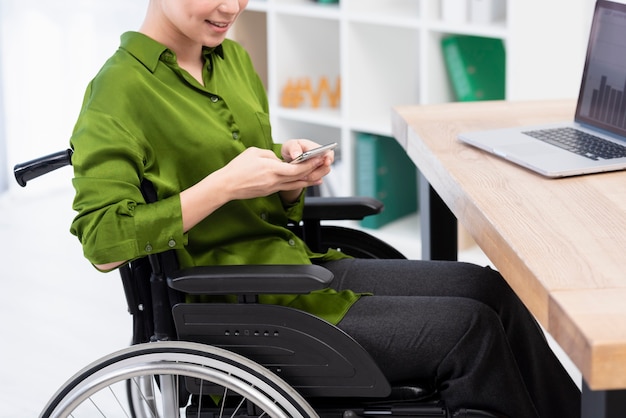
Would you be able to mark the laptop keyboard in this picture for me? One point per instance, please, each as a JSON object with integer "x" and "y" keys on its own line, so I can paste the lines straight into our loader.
{"x": 580, "y": 142}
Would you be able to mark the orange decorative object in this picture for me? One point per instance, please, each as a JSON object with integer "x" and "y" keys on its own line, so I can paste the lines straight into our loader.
{"x": 294, "y": 94}
{"x": 291, "y": 95}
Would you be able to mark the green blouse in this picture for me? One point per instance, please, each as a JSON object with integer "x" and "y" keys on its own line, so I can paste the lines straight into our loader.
{"x": 144, "y": 117}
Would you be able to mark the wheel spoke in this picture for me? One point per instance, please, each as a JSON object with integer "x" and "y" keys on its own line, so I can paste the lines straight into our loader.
{"x": 200, "y": 398}
{"x": 119, "y": 402}
{"x": 97, "y": 408}
{"x": 223, "y": 402}
{"x": 149, "y": 403}
{"x": 238, "y": 408}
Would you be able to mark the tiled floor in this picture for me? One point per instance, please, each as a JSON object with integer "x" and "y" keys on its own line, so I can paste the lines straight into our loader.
{"x": 59, "y": 314}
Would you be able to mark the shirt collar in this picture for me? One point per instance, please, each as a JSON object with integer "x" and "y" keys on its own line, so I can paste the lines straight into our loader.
{"x": 219, "y": 50}
{"x": 149, "y": 52}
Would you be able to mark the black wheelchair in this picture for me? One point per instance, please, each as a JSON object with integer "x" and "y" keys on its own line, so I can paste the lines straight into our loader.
{"x": 240, "y": 359}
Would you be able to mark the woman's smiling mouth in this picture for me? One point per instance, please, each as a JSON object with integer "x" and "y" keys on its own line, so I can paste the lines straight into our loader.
{"x": 221, "y": 25}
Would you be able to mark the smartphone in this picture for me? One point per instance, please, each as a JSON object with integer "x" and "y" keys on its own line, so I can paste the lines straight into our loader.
{"x": 314, "y": 153}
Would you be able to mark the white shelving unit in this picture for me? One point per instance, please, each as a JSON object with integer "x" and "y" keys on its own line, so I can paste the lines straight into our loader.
{"x": 387, "y": 53}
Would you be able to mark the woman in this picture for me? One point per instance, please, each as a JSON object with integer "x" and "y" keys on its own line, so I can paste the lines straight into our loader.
{"x": 181, "y": 106}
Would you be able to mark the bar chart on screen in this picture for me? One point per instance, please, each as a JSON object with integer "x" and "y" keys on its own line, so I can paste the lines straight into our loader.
{"x": 604, "y": 87}
{"x": 608, "y": 103}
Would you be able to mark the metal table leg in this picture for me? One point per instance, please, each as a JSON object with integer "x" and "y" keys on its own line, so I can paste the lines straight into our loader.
{"x": 603, "y": 403}
{"x": 438, "y": 225}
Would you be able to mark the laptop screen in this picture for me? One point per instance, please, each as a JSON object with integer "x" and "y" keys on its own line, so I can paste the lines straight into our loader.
{"x": 602, "y": 97}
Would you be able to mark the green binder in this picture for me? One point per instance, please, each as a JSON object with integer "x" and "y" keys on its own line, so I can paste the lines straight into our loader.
{"x": 476, "y": 67}
{"x": 384, "y": 171}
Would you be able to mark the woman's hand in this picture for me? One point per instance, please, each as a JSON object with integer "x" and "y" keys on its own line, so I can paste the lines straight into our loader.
{"x": 292, "y": 149}
{"x": 254, "y": 173}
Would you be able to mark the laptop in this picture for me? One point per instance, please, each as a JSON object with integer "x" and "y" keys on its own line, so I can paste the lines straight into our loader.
{"x": 595, "y": 141}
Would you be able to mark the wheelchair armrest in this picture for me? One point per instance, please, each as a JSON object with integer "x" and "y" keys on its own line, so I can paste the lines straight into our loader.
{"x": 341, "y": 208}
{"x": 250, "y": 279}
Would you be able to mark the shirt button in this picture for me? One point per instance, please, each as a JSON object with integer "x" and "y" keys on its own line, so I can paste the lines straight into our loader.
{"x": 292, "y": 242}
{"x": 171, "y": 243}
{"x": 215, "y": 99}
{"x": 235, "y": 135}
{"x": 148, "y": 248}
{"x": 264, "y": 216}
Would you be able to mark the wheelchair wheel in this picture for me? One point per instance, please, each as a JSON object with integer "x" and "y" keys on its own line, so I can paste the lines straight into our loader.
{"x": 222, "y": 384}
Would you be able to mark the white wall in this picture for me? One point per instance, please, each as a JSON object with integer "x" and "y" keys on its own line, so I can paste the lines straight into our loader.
{"x": 550, "y": 64}
{"x": 3, "y": 153}
{"x": 50, "y": 50}
{"x": 58, "y": 312}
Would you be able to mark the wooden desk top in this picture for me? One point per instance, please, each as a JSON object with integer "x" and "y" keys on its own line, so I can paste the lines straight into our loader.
{"x": 560, "y": 243}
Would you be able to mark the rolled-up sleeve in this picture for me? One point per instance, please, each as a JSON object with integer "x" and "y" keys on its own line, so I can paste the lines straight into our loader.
{"x": 114, "y": 222}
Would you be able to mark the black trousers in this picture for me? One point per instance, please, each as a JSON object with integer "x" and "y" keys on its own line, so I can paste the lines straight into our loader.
{"x": 460, "y": 327}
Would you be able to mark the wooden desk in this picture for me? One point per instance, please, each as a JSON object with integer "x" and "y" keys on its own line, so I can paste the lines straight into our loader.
{"x": 561, "y": 244}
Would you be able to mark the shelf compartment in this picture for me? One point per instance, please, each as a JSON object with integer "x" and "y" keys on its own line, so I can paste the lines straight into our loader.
{"x": 438, "y": 89}
{"x": 310, "y": 57}
{"x": 384, "y": 66}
